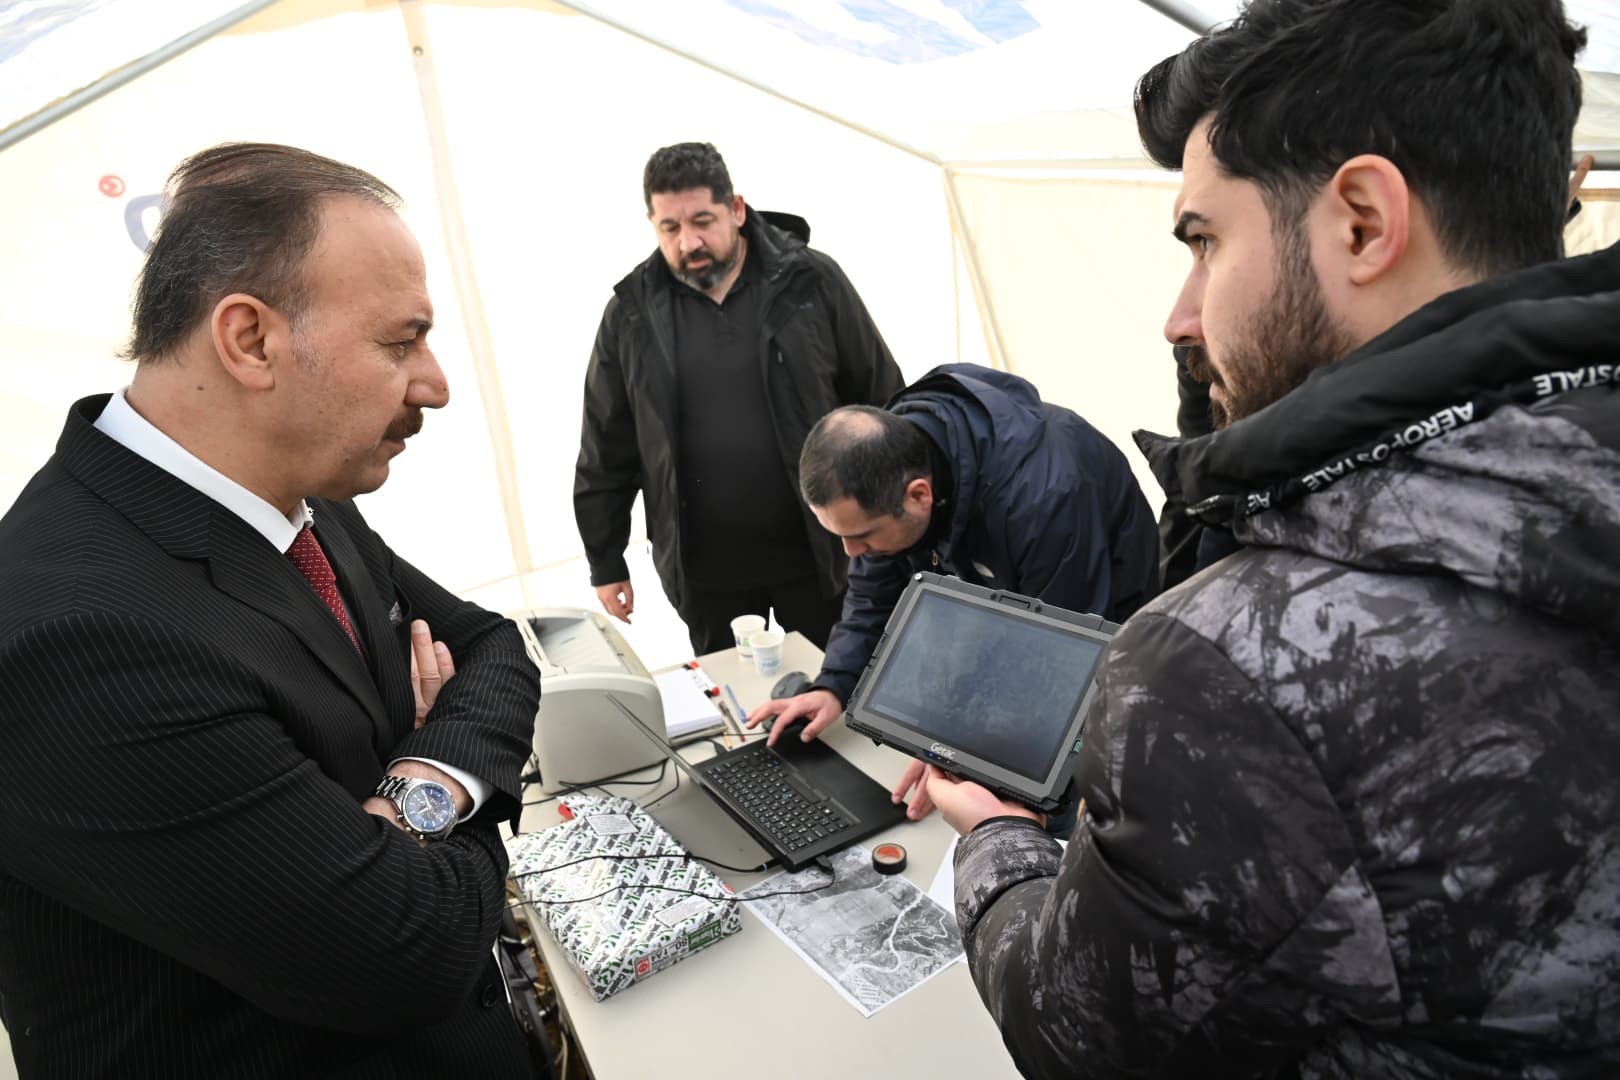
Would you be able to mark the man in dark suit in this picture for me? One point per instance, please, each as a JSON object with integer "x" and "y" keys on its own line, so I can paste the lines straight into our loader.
{"x": 236, "y": 843}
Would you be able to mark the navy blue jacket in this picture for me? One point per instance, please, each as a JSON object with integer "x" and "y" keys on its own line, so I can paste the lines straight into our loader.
{"x": 1042, "y": 504}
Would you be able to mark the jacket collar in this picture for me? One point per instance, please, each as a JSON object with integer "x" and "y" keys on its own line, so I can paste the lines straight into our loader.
{"x": 1447, "y": 364}
{"x": 187, "y": 524}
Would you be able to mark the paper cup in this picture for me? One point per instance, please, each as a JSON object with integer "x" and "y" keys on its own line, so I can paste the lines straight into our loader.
{"x": 767, "y": 649}
{"x": 742, "y": 627}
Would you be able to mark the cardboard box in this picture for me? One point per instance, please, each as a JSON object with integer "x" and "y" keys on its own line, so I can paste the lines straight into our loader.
{"x": 620, "y": 920}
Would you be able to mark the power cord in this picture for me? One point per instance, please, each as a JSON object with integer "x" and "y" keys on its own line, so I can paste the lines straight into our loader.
{"x": 665, "y": 795}
{"x": 822, "y": 863}
{"x": 761, "y": 868}
{"x": 574, "y": 787}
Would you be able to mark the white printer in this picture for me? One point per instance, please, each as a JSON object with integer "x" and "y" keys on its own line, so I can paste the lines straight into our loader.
{"x": 578, "y": 735}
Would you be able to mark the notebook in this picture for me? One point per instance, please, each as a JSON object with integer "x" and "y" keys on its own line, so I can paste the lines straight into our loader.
{"x": 989, "y": 685}
{"x": 799, "y": 800}
{"x": 689, "y": 712}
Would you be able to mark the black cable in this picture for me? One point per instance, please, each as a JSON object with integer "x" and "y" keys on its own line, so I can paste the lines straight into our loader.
{"x": 654, "y": 782}
{"x": 574, "y": 789}
{"x": 734, "y": 898}
{"x": 667, "y": 794}
{"x": 647, "y": 855}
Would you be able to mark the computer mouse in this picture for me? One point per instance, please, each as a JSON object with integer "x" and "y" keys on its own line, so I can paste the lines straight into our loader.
{"x": 792, "y": 684}
{"x": 792, "y": 731}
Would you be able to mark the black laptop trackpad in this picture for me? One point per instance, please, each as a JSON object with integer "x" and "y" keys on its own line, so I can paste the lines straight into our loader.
{"x": 821, "y": 773}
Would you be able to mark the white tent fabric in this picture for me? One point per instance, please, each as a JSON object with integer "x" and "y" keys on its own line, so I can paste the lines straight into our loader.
{"x": 971, "y": 163}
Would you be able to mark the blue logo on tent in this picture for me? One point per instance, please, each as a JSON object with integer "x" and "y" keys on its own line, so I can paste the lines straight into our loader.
{"x": 135, "y": 218}
{"x": 916, "y": 39}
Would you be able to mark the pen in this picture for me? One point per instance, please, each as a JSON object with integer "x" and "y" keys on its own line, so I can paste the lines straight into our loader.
{"x": 742, "y": 713}
{"x": 731, "y": 724}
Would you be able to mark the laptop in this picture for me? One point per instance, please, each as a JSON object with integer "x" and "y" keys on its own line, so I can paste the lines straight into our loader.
{"x": 799, "y": 800}
{"x": 989, "y": 685}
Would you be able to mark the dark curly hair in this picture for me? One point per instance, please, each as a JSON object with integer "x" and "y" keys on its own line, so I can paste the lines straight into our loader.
{"x": 1473, "y": 100}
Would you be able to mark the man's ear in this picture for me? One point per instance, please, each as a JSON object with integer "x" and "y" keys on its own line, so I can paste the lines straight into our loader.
{"x": 1369, "y": 216}
{"x": 921, "y": 491}
{"x": 248, "y": 336}
{"x": 739, "y": 210}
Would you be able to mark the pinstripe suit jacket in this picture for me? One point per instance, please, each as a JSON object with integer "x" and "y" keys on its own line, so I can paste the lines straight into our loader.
{"x": 188, "y": 885}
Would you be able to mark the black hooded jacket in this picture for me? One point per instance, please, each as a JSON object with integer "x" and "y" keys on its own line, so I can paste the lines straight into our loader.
{"x": 818, "y": 349}
{"x": 1041, "y": 503}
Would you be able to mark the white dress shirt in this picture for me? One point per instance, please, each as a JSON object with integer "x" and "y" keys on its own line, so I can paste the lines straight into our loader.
{"x": 131, "y": 430}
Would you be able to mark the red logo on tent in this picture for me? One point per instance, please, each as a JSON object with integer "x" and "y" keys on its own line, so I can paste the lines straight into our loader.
{"x": 111, "y": 186}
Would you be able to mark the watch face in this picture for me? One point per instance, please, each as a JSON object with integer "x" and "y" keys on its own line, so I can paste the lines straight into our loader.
{"x": 428, "y": 808}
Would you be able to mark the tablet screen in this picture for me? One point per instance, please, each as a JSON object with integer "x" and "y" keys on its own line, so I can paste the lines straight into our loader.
{"x": 1001, "y": 687}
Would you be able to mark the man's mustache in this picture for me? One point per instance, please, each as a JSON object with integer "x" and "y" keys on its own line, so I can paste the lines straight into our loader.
{"x": 406, "y": 426}
{"x": 1198, "y": 366}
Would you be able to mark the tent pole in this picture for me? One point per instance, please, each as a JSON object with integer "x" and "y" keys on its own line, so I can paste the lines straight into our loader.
{"x": 111, "y": 81}
{"x": 981, "y": 294}
{"x": 956, "y": 286}
{"x": 470, "y": 299}
{"x": 887, "y": 140}
{"x": 1184, "y": 13}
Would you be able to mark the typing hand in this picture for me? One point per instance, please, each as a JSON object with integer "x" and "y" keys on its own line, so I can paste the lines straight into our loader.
{"x": 821, "y": 706}
{"x": 618, "y": 600}
{"x": 965, "y": 805}
{"x": 431, "y": 668}
{"x": 914, "y": 781}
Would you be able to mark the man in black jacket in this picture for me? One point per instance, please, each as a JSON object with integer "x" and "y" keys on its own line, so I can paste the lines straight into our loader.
{"x": 713, "y": 359}
{"x": 1353, "y": 792}
{"x": 970, "y": 473}
{"x": 239, "y": 841}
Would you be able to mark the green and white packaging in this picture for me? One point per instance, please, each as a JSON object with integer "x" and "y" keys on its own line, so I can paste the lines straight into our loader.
{"x": 614, "y": 929}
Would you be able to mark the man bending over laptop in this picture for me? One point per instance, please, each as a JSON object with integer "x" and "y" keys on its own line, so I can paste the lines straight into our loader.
{"x": 1353, "y": 794}
{"x": 967, "y": 472}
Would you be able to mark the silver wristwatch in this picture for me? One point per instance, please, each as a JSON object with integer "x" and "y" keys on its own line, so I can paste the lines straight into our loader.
{"x": 426, "y": 807}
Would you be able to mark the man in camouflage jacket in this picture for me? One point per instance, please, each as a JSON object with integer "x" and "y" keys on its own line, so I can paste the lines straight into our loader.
{"x": 1353, "y": 793}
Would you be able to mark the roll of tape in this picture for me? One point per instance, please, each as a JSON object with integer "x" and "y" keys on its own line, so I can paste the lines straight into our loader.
{"x": 888, "y": 858}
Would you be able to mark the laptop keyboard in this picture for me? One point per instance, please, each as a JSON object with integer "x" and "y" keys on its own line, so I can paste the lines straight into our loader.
{"x": 786, "y": 808}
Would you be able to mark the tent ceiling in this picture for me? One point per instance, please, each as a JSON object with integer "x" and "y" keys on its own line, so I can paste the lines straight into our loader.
{"x": 952, "y": 81}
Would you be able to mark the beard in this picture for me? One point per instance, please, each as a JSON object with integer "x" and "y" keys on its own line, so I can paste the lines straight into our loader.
{"x": 708, "y": 276}
{"x": 1288, "y": 337}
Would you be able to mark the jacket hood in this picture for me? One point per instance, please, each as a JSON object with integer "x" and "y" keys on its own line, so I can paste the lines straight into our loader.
{"x": 969, "y": 409}
{"x": 1478, "y": 438}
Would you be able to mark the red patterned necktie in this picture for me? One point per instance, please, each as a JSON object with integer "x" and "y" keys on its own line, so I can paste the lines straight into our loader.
{"x": 307, "y": 556}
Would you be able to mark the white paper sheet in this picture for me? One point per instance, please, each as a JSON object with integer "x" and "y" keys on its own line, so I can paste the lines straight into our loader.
{"x": 873, "y": 937}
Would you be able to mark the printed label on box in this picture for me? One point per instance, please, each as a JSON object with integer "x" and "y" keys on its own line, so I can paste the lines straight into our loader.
{"x": 610, "y": 824}
{"x": 705, "y": 935}
{"x": 676, "y": 914}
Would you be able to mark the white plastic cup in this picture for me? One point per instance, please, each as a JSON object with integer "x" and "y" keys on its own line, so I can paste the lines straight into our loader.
{"x": 767, "y": 648}
{"x": 744, "y": 626}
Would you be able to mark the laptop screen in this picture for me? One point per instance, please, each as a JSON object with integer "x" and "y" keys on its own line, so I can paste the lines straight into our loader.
{"x": 987, "y": 680}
